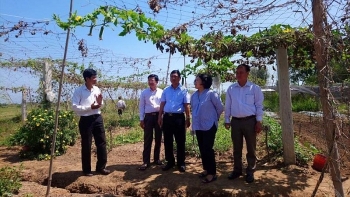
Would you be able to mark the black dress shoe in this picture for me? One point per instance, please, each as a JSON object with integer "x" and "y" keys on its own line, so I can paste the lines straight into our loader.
{"x": 182, "y": 168}
{"x": 88, "y": 174}
{"x": 167, "y": 167}
{"x": 158, "y": 163}
{"x": 249, "y": 178}
{"x": 143, "y": 166}
{"x": 234, "y": 175}
{"x": 104, "y": 171}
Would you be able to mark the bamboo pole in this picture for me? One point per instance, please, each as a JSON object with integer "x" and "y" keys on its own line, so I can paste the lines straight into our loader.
{"x": 58, "y": 106}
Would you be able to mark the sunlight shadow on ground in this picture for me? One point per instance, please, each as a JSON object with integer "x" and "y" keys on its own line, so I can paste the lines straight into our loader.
{"x": 10, "y": 154}
{"x": 63, "y": 179}
{"x": 156, "y": 182}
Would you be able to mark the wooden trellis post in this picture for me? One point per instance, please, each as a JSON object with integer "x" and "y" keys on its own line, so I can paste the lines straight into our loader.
{"x": 285, "y": 102}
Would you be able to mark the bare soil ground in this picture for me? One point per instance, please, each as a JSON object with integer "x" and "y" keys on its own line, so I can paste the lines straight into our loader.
{"x": 272, "y": 177}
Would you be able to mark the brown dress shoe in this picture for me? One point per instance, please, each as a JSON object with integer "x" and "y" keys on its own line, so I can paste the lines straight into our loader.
{"x": 104, "y": 171}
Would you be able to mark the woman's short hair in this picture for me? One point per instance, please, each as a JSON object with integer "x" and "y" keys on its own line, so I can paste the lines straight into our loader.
{"x": 207, "y": 80}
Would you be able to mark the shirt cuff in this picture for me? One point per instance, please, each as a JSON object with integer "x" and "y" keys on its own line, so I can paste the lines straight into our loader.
{"x": 227, "y": 120}
{"x": 259, "y": 118}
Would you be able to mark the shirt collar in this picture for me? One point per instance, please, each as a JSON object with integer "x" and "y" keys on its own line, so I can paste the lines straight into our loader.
{"x": 178, "y": 87}
{"x": 152, "y": 90}
{"x": 246, "y": 84}
{"x": 85, "y": 88}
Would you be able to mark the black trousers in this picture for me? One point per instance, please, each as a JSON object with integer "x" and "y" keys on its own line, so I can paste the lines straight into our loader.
{"x": 151, "y": 124}
{"x": 174, "y": 127}
{"x": 92, "y": 126}
{"x": 206, "y": 142}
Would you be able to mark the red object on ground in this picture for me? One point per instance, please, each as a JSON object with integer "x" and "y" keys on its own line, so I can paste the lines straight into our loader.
{"x": 319, "y": 162}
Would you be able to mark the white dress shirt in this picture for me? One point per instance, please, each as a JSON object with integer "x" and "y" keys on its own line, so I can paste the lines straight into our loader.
{"x": 149, "y": 101}
{"x": 83, "y": 98}
{"x": 244, "y": 101}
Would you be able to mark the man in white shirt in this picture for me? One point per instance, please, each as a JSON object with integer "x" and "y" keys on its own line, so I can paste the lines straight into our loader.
{"x": 87, "y": 102}
{"x": 244, "y": 103}
{"x": 120, "y": 106}
{"x": 149, "y": 111}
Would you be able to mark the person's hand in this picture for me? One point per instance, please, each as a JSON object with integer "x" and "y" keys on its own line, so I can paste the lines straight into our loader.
{"x": 99, "y": 99}
{"x": 142, "y": 124}
{"x": 227, "y": 125}
{"x": 160, "y": 121}
{"x": 188, "y": 122}
{"x": 258, "y": 127}
{"x": 95, "y": 106}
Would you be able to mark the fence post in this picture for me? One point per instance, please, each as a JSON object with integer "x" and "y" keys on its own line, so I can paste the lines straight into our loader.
{"x": 47, "y": 86}
{"x": 24, "y": 104}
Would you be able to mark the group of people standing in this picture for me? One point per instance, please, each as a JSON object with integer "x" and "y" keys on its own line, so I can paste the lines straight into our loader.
{"x": 169, "y": 112}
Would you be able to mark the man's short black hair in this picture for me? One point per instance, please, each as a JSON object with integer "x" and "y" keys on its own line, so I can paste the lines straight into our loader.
{"x": 153, "y": 75}
{"x": 89, "y": 73}
{"x": 207, "y": 80}
{"x": 247, "y": 68}
{"x": 176, "y": 72}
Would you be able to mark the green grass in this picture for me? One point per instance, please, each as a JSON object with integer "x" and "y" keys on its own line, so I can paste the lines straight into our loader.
{"x": 10, "y": 122}
{"x": 300, "y": 102}
{"x": 131, "y": 137}
{"x": 8, "y": 112}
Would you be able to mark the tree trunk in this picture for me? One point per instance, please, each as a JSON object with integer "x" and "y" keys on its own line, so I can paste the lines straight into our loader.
{"x": 321, "y": 54}
{"x": 285, "y": 107}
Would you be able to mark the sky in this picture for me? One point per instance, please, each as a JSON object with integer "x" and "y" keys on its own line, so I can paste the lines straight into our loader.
{"x": 115, "y": 55}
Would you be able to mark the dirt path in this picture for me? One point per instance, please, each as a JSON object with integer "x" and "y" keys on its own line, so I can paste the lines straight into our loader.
{"x": 126, "y": 180}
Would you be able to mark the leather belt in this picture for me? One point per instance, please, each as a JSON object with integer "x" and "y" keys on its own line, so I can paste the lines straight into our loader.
{"x": 152, "y": 114}
{"x": 173, "y": 114}
{"x": 91, "y": 116}
{"x": 244, "y": 118}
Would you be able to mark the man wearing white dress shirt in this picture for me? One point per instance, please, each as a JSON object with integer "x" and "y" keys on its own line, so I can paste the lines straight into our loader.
{"x": 149, "y": 111}
{"x": 87, "y": 102}
{"x": 244, "y": 103}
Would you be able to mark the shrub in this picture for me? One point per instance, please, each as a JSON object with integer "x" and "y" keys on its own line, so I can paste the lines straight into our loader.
{"x": 10, "y": 180}
{"x": 37, "y": 133}
{"x": 302, "y": 102}
{"x": 274, "y": 141}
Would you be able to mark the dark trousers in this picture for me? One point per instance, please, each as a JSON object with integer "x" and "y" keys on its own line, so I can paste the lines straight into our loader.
{"x": 151, "y": 123}
{"x": 174, "y": 126}
{"x": 206, "y": 142}
{"x": 246, "y": 129}
{"x": 92, "y": 126}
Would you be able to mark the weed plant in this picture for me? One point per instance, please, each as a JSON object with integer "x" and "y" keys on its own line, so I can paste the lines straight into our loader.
{"x": 10, "y": 180}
